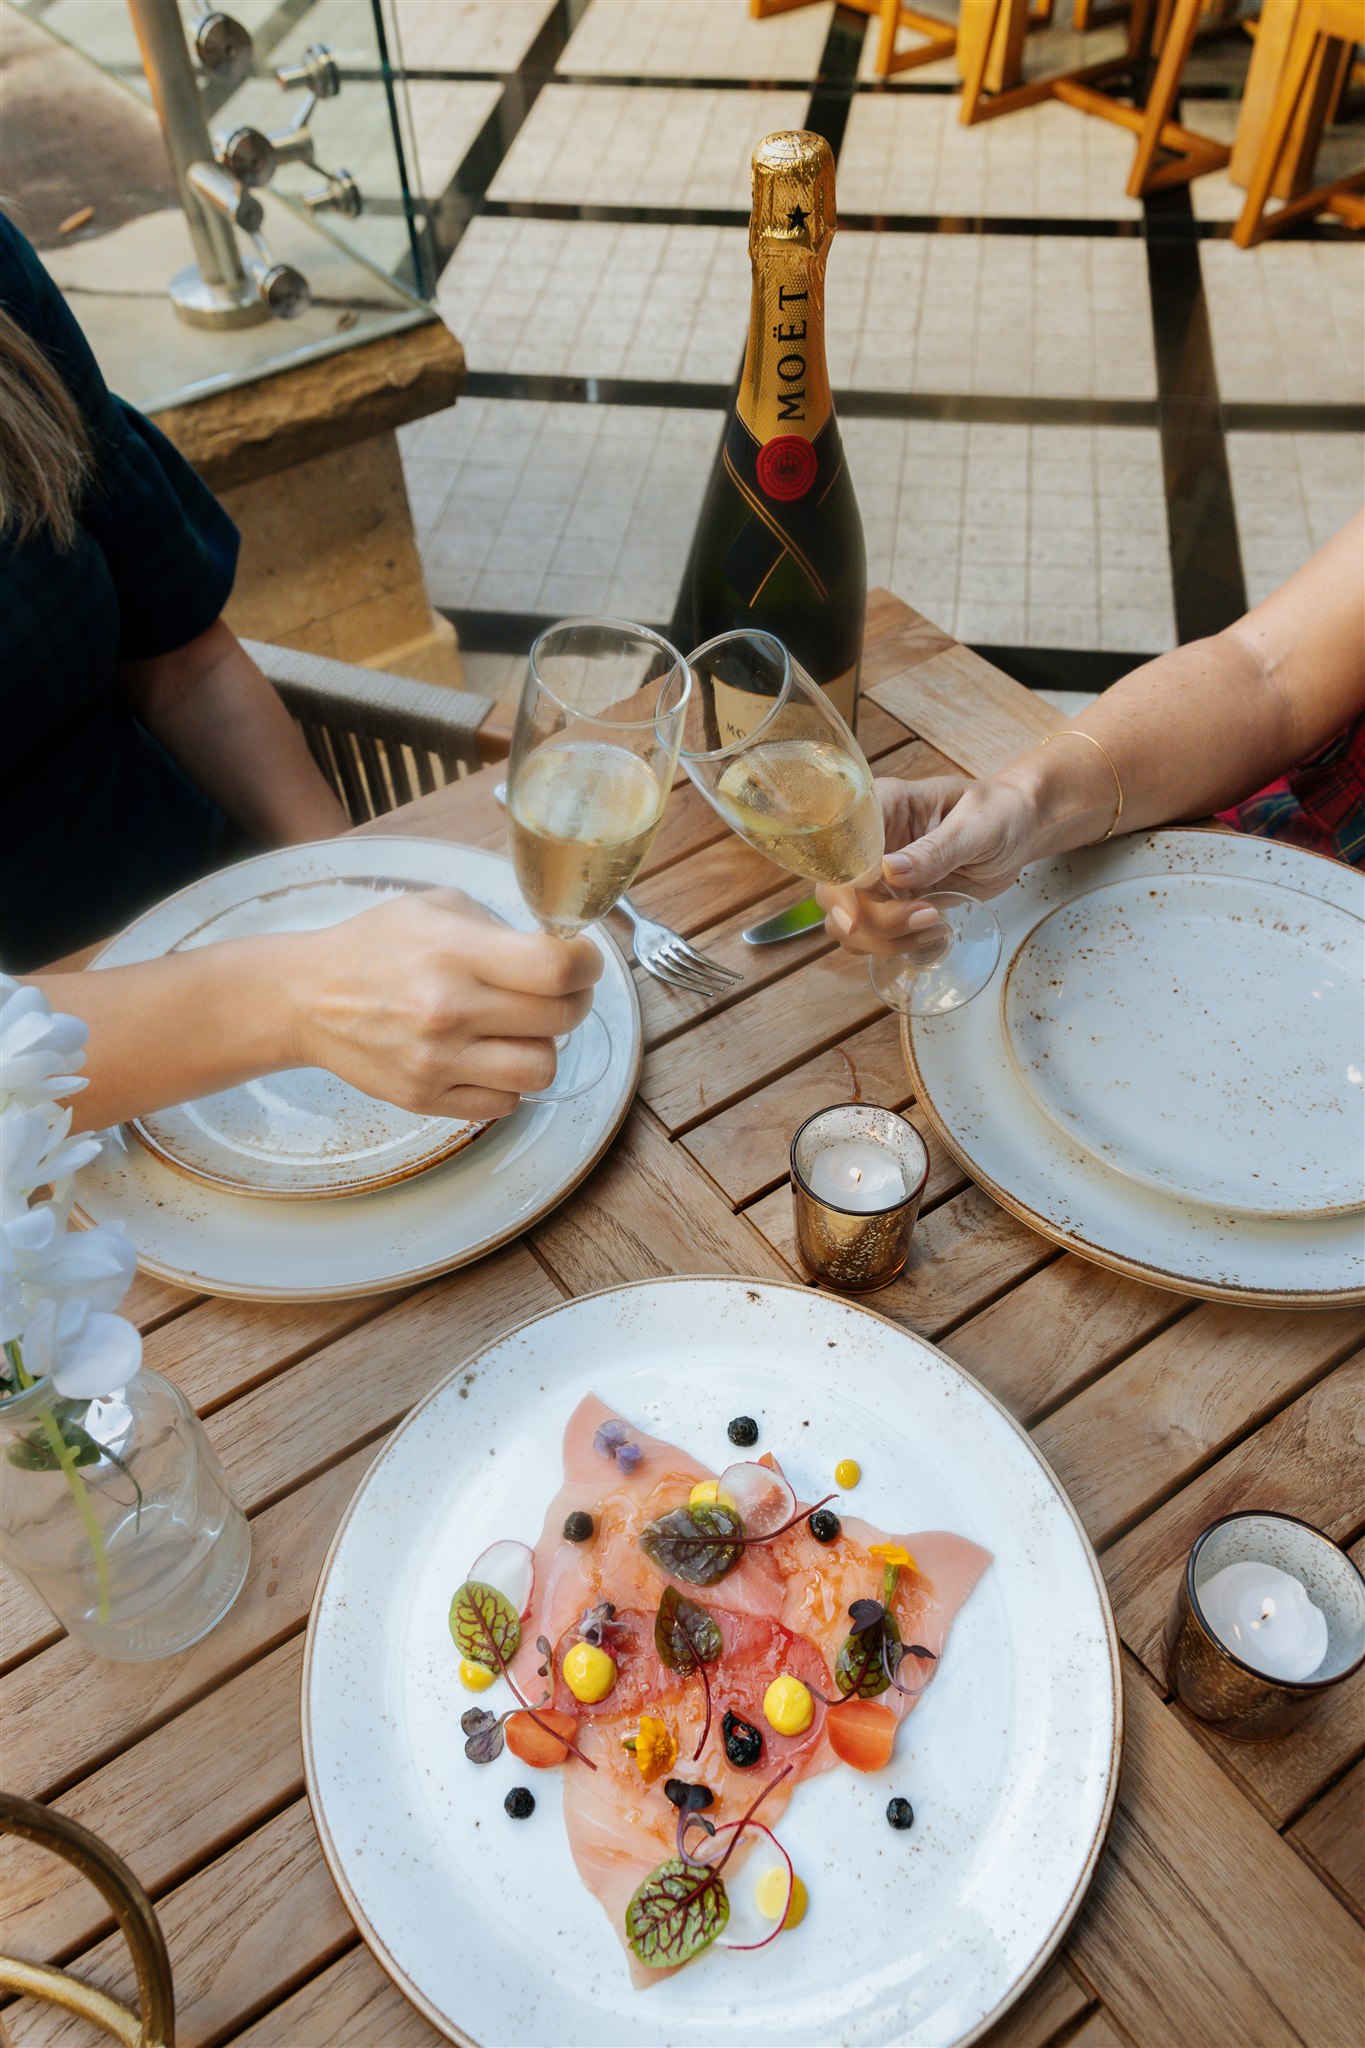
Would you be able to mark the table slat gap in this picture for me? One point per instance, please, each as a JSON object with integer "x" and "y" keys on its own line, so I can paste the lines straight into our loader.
{"x": 1067, "y": 1439}
{"x": 1180, "y": 1310}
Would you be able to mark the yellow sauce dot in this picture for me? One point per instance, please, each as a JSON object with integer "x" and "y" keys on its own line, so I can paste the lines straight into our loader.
{"x": 847, "y": 1473}
{"x": 589, "y": 1673}
{"x": 788, "y": 1706}
{"x": 475, "y": 1676}
{"x": 771, "y": 1890}
{"x": 703, "y": 1493}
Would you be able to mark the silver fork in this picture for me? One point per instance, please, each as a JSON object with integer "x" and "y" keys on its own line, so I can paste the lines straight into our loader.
{"x": 665, "y": 953}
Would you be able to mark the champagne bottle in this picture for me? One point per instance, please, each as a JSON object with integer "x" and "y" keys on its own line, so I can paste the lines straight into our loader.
{"x": 780, "y": 543}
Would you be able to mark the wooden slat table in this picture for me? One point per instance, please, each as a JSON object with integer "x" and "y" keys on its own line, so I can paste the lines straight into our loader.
{"x": 1226, "y": 1913}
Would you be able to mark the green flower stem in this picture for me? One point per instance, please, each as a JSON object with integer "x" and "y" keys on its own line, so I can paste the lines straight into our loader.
{"x": 63, "y": 1452}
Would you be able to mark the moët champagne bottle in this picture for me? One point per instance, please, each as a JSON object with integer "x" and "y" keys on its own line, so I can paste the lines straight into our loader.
{"x": 780, "y": 542}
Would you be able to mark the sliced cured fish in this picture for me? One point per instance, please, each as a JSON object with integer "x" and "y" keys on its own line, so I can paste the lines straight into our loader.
{"x": 860, "y": 1623}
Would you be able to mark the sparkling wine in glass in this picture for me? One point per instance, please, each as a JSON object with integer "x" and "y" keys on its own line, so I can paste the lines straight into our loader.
{"x": 771, "y": 753}
{"x": 594, "y": 752}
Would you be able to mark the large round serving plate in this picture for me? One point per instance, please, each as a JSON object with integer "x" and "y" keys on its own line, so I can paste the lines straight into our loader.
{"x": 218, "y": 1241}
{"x": 1011, "y": 1760}
{"x": 968, "y": 1083}
{"x": 302, "y": 1132}
{"x": 1199, "y": 1032}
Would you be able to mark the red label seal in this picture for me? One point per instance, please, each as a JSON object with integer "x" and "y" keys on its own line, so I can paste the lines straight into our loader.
{"x": 786, "y": 467}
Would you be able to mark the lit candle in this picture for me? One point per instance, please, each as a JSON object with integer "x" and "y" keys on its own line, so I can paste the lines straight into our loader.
{"x": 1265, "y": 1616}
{"x": 858, "y": 1174}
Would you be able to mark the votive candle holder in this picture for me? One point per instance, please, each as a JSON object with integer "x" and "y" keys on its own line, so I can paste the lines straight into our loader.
{"x": 1216, "y": 1684}
{"x": 856, "y": 1249}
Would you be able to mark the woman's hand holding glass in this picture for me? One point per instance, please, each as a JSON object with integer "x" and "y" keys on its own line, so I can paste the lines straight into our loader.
{"x": 943, "y": 833}
{"x": 429, "y": 1002}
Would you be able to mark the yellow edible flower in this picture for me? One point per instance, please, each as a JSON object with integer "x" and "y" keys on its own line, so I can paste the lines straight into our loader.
{"x": 893, "y": 1553}
{"x": 655, "y": 1747}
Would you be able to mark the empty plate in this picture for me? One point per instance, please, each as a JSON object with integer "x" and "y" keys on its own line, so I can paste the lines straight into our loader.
{"x": 1201, "y": 1033}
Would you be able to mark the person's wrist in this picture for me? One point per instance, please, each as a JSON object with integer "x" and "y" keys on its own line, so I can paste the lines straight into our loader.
{"x": 1063, "y": 804}
{"x": 291, "y": 973}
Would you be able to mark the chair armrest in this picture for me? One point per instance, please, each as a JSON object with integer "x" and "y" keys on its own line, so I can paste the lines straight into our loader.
{"x": 370, "y": 702}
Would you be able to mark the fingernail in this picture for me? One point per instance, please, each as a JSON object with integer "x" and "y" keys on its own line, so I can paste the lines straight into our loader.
{"x": 842, "y": 919}
{"x": 919, "y": 920}
{"x": 898, "y": 867}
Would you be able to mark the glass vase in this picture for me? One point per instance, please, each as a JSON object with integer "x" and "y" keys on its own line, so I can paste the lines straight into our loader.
{"x": 118, "y": 1515}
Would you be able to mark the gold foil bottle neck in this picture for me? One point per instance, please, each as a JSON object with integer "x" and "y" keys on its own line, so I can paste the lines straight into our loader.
{"x": 793, "y": 194}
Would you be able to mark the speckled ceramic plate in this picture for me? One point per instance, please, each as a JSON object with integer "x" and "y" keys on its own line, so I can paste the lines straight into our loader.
{"x": 1010, "y": 1762}
{"x": 302, "y": 1133}
{"x": 1202, "y": 1033}
{"x": 969, "y": 1085}
{"x": 313, "y": 1249}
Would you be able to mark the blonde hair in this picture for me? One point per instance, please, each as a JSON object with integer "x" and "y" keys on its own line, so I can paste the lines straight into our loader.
{"x": 44, "y": 446}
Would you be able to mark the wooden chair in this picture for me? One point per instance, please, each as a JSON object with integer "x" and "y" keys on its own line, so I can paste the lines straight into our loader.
{"x": 1326, "y": 34}
{"x": 892, "y": 16}
{"x": 990, "y": 43}
{"x": 153, "y": 2026}
{"x": 1189, "y": 155}
{"x": 380, "y": 739}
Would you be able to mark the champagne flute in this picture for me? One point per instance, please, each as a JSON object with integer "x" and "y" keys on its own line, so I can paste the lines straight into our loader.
{"x": 594, "y": 752}
{"x": 769, "y": 750}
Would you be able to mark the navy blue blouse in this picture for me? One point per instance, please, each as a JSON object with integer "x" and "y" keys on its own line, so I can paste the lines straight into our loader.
{"x": 98, "y": 821}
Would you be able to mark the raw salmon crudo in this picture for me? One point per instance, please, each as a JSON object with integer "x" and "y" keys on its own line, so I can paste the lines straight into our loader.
{"x": 687, "y": 1646}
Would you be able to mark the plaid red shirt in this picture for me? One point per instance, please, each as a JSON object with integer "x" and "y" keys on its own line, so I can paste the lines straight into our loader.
{"x": 1320, "y": 804}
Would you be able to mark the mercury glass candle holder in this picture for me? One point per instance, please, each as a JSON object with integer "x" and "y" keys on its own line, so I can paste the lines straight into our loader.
{"x": 856, "y": 1249}
{"x": 1222, "y": 1687}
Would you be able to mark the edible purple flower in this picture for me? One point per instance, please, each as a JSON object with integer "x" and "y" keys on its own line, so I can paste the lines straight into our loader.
{"x": 612, "y": 1440}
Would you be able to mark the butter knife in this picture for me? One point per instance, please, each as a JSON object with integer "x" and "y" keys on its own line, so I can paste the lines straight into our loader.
{"x": 787, "y": 924}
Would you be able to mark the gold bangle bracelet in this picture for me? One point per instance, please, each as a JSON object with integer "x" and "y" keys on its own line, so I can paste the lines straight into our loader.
{"x": 1073, "y": 732}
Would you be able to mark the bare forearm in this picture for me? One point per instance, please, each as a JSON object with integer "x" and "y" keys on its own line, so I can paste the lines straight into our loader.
{"x": 168, "y": 1030}
{"x": 212, "y": 708}
{"x": 1187, "y": 734}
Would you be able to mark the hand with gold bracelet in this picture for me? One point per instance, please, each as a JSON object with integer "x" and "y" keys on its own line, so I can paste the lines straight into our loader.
{"x": 1182, "y": 737}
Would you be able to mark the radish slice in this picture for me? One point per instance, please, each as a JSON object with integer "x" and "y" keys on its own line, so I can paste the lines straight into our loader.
{"x": 763, "y": 1498}
{"x": 749, "y": 1912}
{"x": 510, "y": 1569}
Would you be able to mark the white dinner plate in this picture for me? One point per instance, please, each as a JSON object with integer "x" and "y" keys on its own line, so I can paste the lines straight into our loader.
{"x": 220, "y": 1242}
{"x": 303, "y": 1132}
{"x": 969, "y": 1086}
{"x": 1010, "y": 1762}
{"x": 1199, "y": 1032}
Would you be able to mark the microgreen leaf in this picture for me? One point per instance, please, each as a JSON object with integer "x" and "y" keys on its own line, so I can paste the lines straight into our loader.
{"x": 483, "y": 1735}
{"x": 687, "y": 1637}
{"x": 677, "y": 1912}
{"x": 596, "y": 1623}
{"x": 696, "y": 1544}
{"x": 484, "y": 1625}
{"x": 686, "y": 1634}
{"x": 870, "y": 1654}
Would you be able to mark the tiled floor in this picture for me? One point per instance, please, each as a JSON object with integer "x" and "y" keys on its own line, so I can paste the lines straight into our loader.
{"x": 1293, "y": 492}
{"x": 696, "y": 39}
{"x": 1057, "y": 316}
{"x": 613, "y": 145}
{"x": 1028, "y": 402}
{"x": 1288, "y": 325}
{"x": 906, "y": 152}
{"x": 524, "y": 506}
{"x": 600, "y": 299}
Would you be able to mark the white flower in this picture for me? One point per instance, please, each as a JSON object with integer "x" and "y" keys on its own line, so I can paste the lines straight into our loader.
{"x": 35, "y": 1153}
{"x": 58, "y": 1288}
{"x": 86, "y": 1351}
{"x": 39, "y": 1052}
{"x": 40, "y": 1260}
